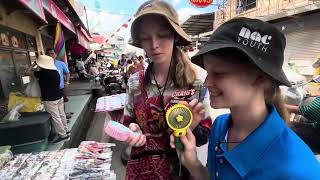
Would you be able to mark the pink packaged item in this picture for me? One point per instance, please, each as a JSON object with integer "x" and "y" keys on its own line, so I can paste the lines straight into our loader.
{"x": 119, "y": 131}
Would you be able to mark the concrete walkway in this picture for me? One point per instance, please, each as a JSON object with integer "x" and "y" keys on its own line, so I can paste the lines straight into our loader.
{"x": 78, "y": 105}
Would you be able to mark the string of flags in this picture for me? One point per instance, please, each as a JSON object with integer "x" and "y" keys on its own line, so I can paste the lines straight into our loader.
{"x": 124, "y": 25}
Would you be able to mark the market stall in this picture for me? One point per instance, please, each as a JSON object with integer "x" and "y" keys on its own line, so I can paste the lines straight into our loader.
{"x": 91, "y": 160}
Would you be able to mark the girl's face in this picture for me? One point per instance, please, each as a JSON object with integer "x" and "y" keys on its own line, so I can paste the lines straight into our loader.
{"x": 156, "y": 38}
{"x": 230, "y": 84}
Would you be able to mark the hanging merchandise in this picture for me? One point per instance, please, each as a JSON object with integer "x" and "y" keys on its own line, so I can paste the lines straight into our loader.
{"x": 59, "y": 45}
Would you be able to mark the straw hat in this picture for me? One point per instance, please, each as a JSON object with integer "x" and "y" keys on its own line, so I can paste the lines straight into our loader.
{"x": 157, "y": 7}
{"x": 46, "y": 62}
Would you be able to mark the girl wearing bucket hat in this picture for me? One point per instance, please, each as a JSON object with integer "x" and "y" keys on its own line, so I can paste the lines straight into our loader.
{"x": 151, "y": 92}
{"x": 244, "y": 58}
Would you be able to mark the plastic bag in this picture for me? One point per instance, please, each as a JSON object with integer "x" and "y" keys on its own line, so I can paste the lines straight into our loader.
{"x": 33, "y": 88}
{"x": 5, "y": 155}
{"x": 14, "y": 114}
{"x": 30, "y": 104}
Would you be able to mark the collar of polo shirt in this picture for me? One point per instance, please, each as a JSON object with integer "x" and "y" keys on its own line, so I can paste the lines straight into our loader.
{"x": 250, "y": 151}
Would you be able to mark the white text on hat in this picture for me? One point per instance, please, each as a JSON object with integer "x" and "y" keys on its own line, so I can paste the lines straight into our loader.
{"x": 254, "y": 39}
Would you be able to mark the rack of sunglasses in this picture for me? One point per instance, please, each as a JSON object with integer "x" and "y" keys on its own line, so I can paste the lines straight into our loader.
{"x": 91, "y": 160}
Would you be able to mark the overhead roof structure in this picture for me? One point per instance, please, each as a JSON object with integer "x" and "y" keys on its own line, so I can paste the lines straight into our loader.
{"x": 198, "y": 24}
{"x": 71, "y": 13}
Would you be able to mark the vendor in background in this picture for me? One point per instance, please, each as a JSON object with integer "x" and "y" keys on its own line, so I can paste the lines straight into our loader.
{"x": 64, "y": 76}
{"x": 51, "y": 95}
{"x": 81, "y": 69}
{"x": 135, "y": 67}
{"x": 310, "y": 111}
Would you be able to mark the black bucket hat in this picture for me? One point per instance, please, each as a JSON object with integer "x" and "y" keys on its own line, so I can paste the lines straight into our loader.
{"x": 262, "y": 42}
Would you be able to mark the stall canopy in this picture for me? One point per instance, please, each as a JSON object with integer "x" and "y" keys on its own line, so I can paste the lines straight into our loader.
{"x": 198, "y": 24}
{"x": 98, "y": 38}
{"x": 57, "y": 13}
{"x": 36, "y": 7}
{"x": 62, "y": 11}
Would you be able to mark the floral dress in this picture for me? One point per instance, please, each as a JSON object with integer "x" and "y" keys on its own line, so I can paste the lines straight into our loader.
{"x": 156, "y": 160}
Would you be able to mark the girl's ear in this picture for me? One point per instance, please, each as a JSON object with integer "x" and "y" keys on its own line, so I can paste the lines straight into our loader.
{"x": 260, "y": 79}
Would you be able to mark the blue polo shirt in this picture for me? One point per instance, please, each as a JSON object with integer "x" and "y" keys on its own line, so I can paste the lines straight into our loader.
{"x": 62, "y": 69}
{"x": 272, "y": 151}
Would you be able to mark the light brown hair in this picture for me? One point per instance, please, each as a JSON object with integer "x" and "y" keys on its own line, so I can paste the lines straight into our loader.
{"x": 183, "y": 74}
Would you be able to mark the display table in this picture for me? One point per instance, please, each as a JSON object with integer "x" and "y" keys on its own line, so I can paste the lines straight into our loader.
{"x": 91, "y": 160}
{"x": 30, "y": 133}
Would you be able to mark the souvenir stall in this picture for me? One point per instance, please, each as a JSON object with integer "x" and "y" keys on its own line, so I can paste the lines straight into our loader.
{"x": 91, "y": 160}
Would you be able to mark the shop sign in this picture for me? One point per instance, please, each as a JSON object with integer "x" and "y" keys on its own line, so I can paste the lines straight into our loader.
{"x": 201, "y": 3}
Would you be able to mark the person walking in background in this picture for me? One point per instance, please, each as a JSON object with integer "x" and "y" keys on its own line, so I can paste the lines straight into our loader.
{"x": 64, "y": 76}
{"x": 51, "y": 95}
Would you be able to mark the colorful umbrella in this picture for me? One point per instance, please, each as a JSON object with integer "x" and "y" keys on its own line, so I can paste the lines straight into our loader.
{"x": 59, "y": 45}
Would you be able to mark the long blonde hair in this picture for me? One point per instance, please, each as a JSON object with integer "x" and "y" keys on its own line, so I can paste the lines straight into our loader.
{"x": 183, "y": 74}
{"x": 274, "y": 96}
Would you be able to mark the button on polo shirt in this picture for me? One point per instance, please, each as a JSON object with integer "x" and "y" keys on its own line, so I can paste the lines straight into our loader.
{"x": 272, "y": 151}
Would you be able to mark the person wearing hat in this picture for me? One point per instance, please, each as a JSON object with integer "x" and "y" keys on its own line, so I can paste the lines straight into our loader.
{"x": 244, "y": 59}
{"x": 49, "y": 82}
{"x": 150, "y": 92}
{"x": 64, "y": 73}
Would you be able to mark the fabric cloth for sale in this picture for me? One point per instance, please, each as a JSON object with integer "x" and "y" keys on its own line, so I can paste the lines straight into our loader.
{"x": 59, "y": 120}
{"x": 111, "y": 103}
{"x": 49, "y": 81}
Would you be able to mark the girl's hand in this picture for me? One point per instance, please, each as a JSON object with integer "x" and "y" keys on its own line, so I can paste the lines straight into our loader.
{"x": 139, "y": 140}
{"x": 198, "y": 112}
{"x": 189, "y": 154}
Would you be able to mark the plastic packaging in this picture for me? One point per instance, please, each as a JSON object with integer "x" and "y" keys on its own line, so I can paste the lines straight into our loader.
{"x": 14, "y": 114}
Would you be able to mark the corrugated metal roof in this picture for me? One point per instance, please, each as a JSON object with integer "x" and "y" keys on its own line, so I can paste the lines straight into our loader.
{"x": 198, "y": 24}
